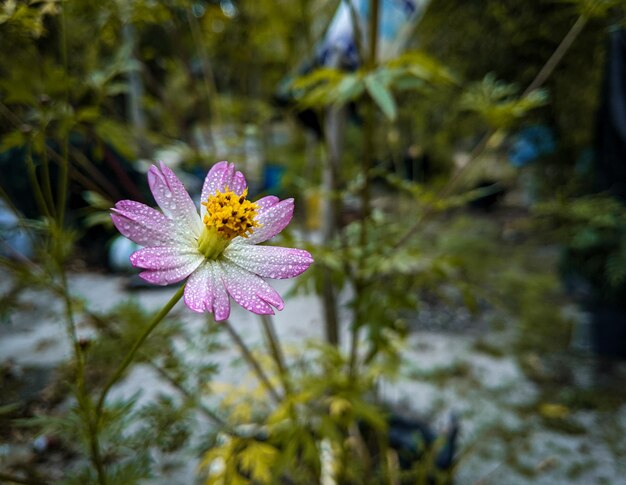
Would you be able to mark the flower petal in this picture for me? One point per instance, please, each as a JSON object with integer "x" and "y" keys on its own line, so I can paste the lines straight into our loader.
{"x": 222, "y": 175}
{"x": 205, "y": 291}
{"x": 142, "y": 224}
{"x": 269, "y": 261}
{"x": 250, "y": 291}
{"x": 267, "y": 202}
{"x": 170, "y": 275}
{"x": 162, "y": 258}
{"x": 173, "y": 199}
{"x": 273, "y": 218}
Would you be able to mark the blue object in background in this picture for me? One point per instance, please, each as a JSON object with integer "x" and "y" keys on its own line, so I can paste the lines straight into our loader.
{"x": 15, "y": 240}
{"x": 119, "y": 253}
{"x": 273, "y": 178}
{"x": 531, "y": 144}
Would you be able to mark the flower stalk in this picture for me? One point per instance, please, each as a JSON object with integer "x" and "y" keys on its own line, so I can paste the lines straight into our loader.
{"x": 133, "y": 351}
{"x": 96, "y": 422}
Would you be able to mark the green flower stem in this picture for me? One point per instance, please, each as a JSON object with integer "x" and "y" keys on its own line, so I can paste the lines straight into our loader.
{"x": 368, "y": 154}
{"x": 82, "y": 396}
{"x": 131, "y": 353}
{"x": 276, "y": 350}
{"x": 47, "y": 184}
{"x": 64, "y": 172}
{"x": 34, "y": 183}
{"x": 354, "y": 336}
{"x": 354, "y": 349}
{"x": 94, "y": 425}
{"x": 254, "y": 364}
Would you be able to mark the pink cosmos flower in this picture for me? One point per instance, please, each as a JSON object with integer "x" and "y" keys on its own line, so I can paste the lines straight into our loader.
{"x": 218, "y": 250}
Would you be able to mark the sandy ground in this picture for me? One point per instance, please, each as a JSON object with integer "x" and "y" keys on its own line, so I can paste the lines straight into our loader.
{"x": 504, "y": 439}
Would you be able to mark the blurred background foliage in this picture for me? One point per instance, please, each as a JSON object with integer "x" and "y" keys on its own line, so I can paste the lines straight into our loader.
{"x": 513, "y": 40}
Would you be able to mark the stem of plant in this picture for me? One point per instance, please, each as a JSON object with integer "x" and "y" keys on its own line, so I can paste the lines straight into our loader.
{"x": 276, "y": 350}
{"x": 94, "y": 429}
{"x": 368, "y": 153}
{"x": 34, "y": 184}
{"x": 133, "y": 351}
{"x": 47, "y": 184}
{"x": 334, "y": 123}
{"x": 63, "y": 174}
{"x": 252, "y": 362}
{"x": 556, "y": 57}
{"x": 82, "y": 396}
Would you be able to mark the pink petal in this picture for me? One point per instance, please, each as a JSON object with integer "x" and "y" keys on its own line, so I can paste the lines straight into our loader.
{"x": 273, "y": 219}
{"x": 205, "y": 292}
{"x": 162, "y": 258}
{"x": 173, "y": 199}
{"x": 171, "y": 275}
{"x": 142, "y": 224}
{"x": 220, "y": 176}
{"x": 250, "y": 291}
{"x": 267, "y": 202}
{"x": 269, "y": 261}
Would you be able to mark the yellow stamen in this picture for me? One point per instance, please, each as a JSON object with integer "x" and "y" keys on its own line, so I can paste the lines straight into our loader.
{"x": 228, "y": 215}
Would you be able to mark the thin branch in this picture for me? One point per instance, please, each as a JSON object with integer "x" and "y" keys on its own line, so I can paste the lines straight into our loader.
{"x": 254, "y": 364}
{"x": 557, "y": 55}
{"x": 276, "y": 350}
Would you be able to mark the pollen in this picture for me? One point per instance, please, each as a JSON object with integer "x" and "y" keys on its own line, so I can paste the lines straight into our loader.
{"x": 231, "y": 215}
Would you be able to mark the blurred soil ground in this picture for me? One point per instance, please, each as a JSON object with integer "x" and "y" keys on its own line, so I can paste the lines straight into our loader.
{"x": 524, "y": 418}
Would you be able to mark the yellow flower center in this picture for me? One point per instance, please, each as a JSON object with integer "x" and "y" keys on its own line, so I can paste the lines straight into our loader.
{"x": 228, "y": 215}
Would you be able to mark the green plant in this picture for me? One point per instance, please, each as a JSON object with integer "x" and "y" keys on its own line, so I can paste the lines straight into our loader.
{"x": 592, "y": 230}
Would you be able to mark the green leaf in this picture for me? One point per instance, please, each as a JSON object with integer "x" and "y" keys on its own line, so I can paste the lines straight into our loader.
{"x": 381, "y": 96}
{"x": 496, "y": 101}
{"x": 118, "y": 135}
{"x": 408, "y": 84}
{"x": 322, "y": 75}
{"x": 257, "y": 459}
{"x": 12, "y": 140}
{"x": 422, "y": 66}
{"x": 349, "y": 88}
{"x": 88, "y": 114}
